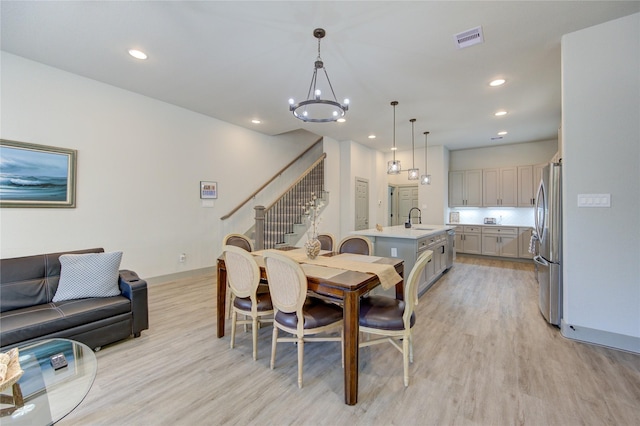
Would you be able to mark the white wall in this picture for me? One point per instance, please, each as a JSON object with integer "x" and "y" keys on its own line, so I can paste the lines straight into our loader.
{"x": 520, "y": 154}
{"x": 601, "y": 142}
{"x": 432, "y": 199}
{"x": 140, "y": 162}
{"x": 360, "y": 161}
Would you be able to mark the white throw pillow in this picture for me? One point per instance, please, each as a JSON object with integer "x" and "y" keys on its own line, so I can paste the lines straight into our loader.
{"x": 88, "y": 275}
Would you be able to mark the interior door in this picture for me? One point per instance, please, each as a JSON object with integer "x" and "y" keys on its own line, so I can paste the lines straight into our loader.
{"x": 362, "y": 204}
{"x": 407, "y": 198}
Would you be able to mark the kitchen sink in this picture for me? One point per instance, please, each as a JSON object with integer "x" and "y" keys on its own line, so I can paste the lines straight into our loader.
{"x": 422, "y": 228}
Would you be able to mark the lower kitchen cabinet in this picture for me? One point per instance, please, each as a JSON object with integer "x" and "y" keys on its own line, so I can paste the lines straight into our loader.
{"x": 468, "y": 239}
{"x": 524, "y": 240}
{"x": 500, "y": 241}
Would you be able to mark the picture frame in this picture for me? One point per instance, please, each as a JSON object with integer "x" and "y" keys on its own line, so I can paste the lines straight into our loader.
{"x": 35, "y": 175}
{"x": 208, "y": 189}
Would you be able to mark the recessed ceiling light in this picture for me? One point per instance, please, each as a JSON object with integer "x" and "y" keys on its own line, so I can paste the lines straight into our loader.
{"x": 137, "y": 54}
{"x": 372, "y": 136}
{"x": 256, "y": 121}
{"x": 341, "y": 120}
{"x": 497, "y": 82}
{"x": 394, "y": 148}
{"x": 502, "y": 133}
{"x": 500, "y": 113}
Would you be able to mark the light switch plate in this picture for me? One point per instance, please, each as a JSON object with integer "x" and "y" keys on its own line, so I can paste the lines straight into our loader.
{"x": 594, "y": 200}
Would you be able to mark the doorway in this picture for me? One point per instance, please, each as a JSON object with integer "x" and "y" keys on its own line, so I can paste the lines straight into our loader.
{"x": 362, "y": 204}
{"x": 401, "y": 199}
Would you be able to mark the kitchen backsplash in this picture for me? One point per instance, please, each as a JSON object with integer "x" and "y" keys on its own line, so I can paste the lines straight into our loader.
{"x": 510, "y": 216}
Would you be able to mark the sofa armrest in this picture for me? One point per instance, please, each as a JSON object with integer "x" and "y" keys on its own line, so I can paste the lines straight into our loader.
{"x": 135, "y": 289}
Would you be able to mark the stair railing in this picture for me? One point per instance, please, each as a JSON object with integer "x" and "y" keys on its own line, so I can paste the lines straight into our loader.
{"x": 278, "y": 219}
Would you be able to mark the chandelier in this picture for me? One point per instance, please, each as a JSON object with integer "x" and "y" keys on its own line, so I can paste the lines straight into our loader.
{"x": 315, "y": 109}
{"x": 414, "y": 174}
{"x": 393, "y": 167}
{"x": 425, "y": 179}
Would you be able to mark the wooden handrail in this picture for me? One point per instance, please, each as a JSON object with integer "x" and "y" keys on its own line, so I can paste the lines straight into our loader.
{"x": 302, "y": 176}
{"x": 256, "y": 192}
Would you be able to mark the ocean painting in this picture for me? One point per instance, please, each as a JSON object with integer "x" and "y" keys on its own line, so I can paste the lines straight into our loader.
{"x": 36, "y": 175}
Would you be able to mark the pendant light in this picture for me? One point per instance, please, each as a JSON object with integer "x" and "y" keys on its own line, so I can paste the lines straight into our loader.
{"x": 425, "y": 179}
{"x": 315, "y": 109}
{"x": 414, "y": 174}
{"x": 393, "y": 167}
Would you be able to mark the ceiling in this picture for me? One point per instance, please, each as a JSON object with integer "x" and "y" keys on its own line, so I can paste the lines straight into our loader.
{"x": 241, "y": 60}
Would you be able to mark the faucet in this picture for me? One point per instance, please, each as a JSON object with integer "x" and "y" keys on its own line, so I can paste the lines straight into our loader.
{"x": 419, "y": 215}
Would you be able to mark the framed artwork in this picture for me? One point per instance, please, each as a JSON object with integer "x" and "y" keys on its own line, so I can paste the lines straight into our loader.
{"x": 208, "y": 189}
{"x": 36, "y": 175}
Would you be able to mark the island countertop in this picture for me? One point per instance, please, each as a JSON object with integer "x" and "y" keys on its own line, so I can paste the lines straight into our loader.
{"x": 417, "y": 231}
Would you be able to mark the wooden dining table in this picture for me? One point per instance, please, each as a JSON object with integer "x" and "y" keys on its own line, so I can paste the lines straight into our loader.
{"x": 347, "y": 286}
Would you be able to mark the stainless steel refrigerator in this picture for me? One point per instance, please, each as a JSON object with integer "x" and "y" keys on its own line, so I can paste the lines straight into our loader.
{"x": 548, "y": 218}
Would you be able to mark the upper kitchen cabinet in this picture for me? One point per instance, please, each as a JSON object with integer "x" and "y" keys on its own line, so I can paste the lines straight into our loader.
{"x": 500, "y": 187}
{"x": 528, "y": 180}
{"x": 465, "y": 188}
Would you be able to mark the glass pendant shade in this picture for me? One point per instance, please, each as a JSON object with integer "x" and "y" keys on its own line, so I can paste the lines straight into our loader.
{"x": 425, "y": 179}
{"x": 393, "y": 167}
{"x": 414, "y": 174}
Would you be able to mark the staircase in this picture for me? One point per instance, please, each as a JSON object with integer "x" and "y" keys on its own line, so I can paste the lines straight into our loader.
{"x": 283, "y": 222}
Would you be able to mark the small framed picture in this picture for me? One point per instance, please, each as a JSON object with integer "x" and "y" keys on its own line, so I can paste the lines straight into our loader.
{"x": 208, "y": 189}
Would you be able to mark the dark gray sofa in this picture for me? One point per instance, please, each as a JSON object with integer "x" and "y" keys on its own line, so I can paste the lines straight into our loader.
{"x": 27, "y": 313}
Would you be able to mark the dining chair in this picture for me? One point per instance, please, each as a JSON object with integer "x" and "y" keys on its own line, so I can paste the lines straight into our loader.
{"x": 393, "y": 319}
{"x": 296, "y": 313}
{"x": 355, "y": 244}
{"x": 327, "y": 241}
{"x": 242, "y": 241}
{"x": 238, "y": 240}
{"x": 243, "y": 276}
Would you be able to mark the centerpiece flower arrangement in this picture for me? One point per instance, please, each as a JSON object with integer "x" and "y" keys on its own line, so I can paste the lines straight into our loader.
{"x": 312, "y": 211}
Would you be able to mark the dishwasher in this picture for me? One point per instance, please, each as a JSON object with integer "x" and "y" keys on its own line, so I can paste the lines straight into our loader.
{"x": 451, "y": 251}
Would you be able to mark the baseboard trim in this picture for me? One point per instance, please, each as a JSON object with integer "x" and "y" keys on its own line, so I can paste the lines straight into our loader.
{"x": 600, "y": 337}
{"x": 180, "y": 275}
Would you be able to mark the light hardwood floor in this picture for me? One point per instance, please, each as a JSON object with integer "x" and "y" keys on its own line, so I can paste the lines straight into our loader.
{"x": 483, "y": 356}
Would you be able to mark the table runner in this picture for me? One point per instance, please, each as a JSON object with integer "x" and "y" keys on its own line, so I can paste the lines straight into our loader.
{"x": 350, "y": 262}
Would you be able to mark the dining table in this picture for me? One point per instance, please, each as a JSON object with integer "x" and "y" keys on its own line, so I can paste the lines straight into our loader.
{"x": 342, "y": 277}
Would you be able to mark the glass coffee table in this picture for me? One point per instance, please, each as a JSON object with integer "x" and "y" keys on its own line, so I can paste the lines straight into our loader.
{"x": 46, "y": 395}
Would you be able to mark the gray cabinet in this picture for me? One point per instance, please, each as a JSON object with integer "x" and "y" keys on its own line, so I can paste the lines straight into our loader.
{"x": 409, "y": 249}
{"x": 500, "y": 187}
{"x": 468, "y": 239}
{"x": 524, "y": 240}
{"x": 465, "y": 188}
{"x": 500, "y": 241}
{"x": 528, "y": 180}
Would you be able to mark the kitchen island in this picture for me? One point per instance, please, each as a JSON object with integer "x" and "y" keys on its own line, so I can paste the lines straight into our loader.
{"x": 409, "y": 243}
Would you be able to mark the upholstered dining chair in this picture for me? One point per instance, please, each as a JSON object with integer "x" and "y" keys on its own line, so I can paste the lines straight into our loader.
{"x": 243, "y": 276}
{"x": 327, "y": 241}
{"x": 295, "y": 312}
{"x": 355, "y": 244}
{"x": 242, "y": 241}
{"x": 389, "y": 319}
{"x": 238, "y": 240}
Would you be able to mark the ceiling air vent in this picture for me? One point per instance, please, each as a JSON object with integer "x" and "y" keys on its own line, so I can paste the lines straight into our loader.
{"x": 469, "y": 37}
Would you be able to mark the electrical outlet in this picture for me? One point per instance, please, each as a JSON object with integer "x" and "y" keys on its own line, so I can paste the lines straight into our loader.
{"x": 183, "y": 257}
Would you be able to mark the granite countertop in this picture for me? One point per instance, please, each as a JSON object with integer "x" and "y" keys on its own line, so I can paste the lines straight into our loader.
{"x": 415, "y": 232}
